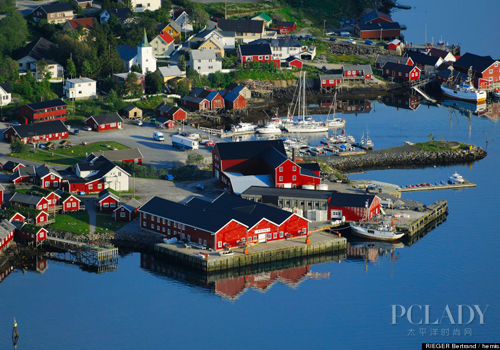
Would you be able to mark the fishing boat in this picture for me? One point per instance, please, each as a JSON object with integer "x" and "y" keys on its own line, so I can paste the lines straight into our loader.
{"x": 381, "y": 232}
{"x": 243, "y": 127}
{"x": 365, "y": 143}
{"x": 456, "y": 178}
{"x": 269, "y": 128}
{"x": 305, "y": 123}
{"x": 464, "y": 90}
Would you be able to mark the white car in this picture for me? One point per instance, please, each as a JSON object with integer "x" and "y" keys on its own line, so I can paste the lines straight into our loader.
{"x": 87, "y": 128}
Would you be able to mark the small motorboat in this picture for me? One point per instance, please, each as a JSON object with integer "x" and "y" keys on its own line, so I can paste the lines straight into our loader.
{"x": 270, "y": 128}
{"x": 456, "y": 178}
{"x": 381, "y": 232}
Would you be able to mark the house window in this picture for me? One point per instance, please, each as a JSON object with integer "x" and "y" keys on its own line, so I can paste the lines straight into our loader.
{"x": 281, "y": 234}
{"x": 260, "y": 58}
{"x": 294, "y": 177}
{"x": 163, "y": 229}
{"x": 56, "y": 183}
{"x": 105, "y": 205}
{"x": 281, "y": 169}
{"x": 269, "y": 236}
{"x": 168, "y": 231}
{"x": 157, "y": 227}
{"x": 90, "y": 187}
{"x": 144, "y": 223}
{"x": 122, "y": 214}
{"x": 275, "y": 235}
{"x": 281, "y": 178}
{"x": 73, "y": 204}
{"x": 219, "y": 244}
{"x": 42, "y": 218}
{"x": 99, "y": 186}
{"x": 254, "y": 238}
{"x": 112, "y": 205}
{"x": 491, "y": 71}
{"x": 294, "y": 168}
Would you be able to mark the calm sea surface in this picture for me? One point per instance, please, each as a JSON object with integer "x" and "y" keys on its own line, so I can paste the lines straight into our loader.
{"x": 344, "y": 305}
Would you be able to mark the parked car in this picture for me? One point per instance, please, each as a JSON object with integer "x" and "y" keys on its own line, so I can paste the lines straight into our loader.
{"x": 75, "y": 131}
{"x": 139, "y": 122}
{"x": 350, "y": 41}
{"x": 87, "y": 128}
{"x": 368, "y": 42}
{"x": 333, "y": 39}
{"x": 308, "y": 37}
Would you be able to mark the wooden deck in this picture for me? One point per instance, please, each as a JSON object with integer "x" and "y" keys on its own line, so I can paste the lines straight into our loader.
{"x": 263, "y": 253}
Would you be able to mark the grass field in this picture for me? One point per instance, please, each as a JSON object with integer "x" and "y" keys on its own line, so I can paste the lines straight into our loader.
{"x": 70, "y": 155}
{"x": 106, "y": 224}
{"x": 77, "y": 223}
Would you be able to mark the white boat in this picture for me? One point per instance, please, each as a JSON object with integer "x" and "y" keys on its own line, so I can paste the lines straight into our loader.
{"x": 456, "y": 178}
{"x": 270, "y": 128}
{"x": 334, "y": 123}
{"x": 306, "y": 126}
{"x": 381, "y": 232}
{"x": 463, "y": 91}
{"x": 243, "y": 127}
{"x": 366, "y": 142}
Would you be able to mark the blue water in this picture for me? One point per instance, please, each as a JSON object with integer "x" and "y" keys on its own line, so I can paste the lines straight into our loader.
{"x": 134, "y": 308}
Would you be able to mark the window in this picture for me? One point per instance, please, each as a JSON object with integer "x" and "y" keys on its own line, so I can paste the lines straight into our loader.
{"x": 56, "y": 183}
{"x": 294, "y": 177}
{"x": 47, "y": 184}
{"x": 42, "y": 218}
{"x": 281, "y": 178}
{"x": 157, "y": 227}
{"x": 268, "y": 236}
{"x": 168, "y": 231}
{"x": 73, "y": 204}
{"x": 175, "y": 225}
{"x": 275, "y": 235}
{"x": 294, "y": 168}
{"x": 144, "y": 223}
{"x": 105, "y": 205}
{"x": 281, "y": 234}
{"x": 152, "y": 226}
{"x": 90, "y": 187}
{"x": 163, "y": 229}
{"x": 254, "y": 238}
{"x": 260, "y": 58}
{"x": 122, "y": 214}
{"x": 491, "y": 71}
{"x": 99, "y": 186}
{"x": 219, "y": 244}
{"x": 113, "y": 204}
{"x": 281, "y": 169}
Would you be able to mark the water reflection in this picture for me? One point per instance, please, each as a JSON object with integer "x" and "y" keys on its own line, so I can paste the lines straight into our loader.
{"x": 23, "y": 261}
{"x": 231, "y": 284}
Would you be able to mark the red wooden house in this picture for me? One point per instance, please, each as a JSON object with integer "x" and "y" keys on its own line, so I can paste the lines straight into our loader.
{"x": 11, "y": 166}
{"x": 102, "y": 122}
{"x": 381, "y": 31}
{"x": 24, "y": 175}
{"x": 108, "y": 201}
{"x": 357, "y": 71}
{"x": 239, "y": 165}
{"x": 232, "y": 100}
{"x": 41, "y": 218}
{"x": 171, "y": 112}
{"x": 196, "y": 103}
{"x": 2, "y": 189}
{"x": 6, "y": 233}
{"x": 43, "y": 112}
{"x": 286, "y": 27}
{"x": 376, "y": 17}
{"x": 257, "y": 53}
{"x": 32, "y": 233}
{"x": 293, "y": 61}
{"x": 127, "y": 211}
{"x": 47, "y": 177}
{"x": 29, "y": 200}
{"x": 401, "y": 72}
{"x": 52, "y": 199}
{"x": 70, "y": 202}
{"x": 394, "y": 44}
{"x": 214, "y": 98}
{"x": 17, "y": 218}
{"x": 227, "y": 221}
{"x": 166, "y": 123}
{"x": 485, "y": 70}
{"x": 329, "y": 81}
{"x": 353, "y": 206}
{"x": 39, "y": 132}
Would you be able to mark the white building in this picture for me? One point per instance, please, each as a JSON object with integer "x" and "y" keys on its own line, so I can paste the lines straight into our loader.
{"x": 184, "y": 22}
{"x": 5, "y": 94}
{"x": 204, "y": 61}
{"x": 80, "y": 89}
{"x": 145, "y": 5}
{"x": 29, "y": 57}
{"x": 101, "y": 168}
{"x": 143, "y": 57}
{"x": 281, "y": 49}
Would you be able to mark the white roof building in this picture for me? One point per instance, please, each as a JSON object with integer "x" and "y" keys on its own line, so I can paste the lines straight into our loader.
{"x": 80, "y": 88}
{"x": 204, "y": 61}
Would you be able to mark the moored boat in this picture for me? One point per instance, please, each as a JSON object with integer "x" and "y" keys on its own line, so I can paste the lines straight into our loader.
{"x": 463, "y": 91}
{"x": 381, "y": 232}
{"x": 270, "y": 128}
{"x": 243, "y": 127}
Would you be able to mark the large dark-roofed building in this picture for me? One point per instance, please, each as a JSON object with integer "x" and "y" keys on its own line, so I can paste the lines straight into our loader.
{"x": 45, "y": 111}
{"x": 385, "y": 30}
{"x": 227, "y": 221}
{"x": 39, "y": 132}
{"x": 104, "y": 122}
{"x": 485, "y": 70}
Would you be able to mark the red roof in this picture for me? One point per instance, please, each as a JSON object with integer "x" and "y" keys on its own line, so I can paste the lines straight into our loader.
{"x": 87, "y": 22}
{"x": 166, "y": 37}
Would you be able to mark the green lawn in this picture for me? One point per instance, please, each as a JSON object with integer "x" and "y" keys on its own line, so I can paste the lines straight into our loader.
{"x": 106, "y": 224}
{"x": 77, "y": 223}
{"x": 70, "y": 155}
{"x": 438, "y": 146}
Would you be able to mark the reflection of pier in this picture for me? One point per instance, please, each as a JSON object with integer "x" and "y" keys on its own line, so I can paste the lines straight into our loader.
{"x": 230, "y": 284}
{"x": 349, "y": 106}
{"x": 87, "y": 255}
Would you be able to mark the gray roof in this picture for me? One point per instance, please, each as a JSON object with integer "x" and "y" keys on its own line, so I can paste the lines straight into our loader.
{"x": 193, "y": 99}
{"x": 281, "y": 42}
{"x": 44, "y": 170}
{"x": 6, "y": 87}
{"x": 240, "y": 182}
{"x": 120, "y": 154}
{"x": 203, "y": 54}
{"x": 25, "y": 198}
{"x": 106, "y": 118}
{"x": 80, "y": 80}
{"x": 53, "y": 7}
{"x": 383, "y": 59}
{"x": 241, "y": 25}
{"x": 6, "y": 228}
{"x": 366, "y": 68}
{"x": 130, "y": 205}
{"x": 330, "y": 76}
{"x": 38, "y": 129}
{"x": 40, "y": 49}
{"x": 288, "y": 192}
{"x": 24, "y": 171}
{"x": 169, "y": 71}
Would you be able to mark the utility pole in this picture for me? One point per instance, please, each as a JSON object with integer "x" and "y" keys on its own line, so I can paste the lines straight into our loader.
{"x": 324, "y": 27}
{"x": 225, "y": 9}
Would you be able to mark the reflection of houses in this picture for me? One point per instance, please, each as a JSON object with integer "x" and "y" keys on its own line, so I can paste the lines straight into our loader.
{"x": 403, "y": 101}
{"x": 349, "y": 106}
{"x": 231, "y": 286}
{"x": 239, "y": 165}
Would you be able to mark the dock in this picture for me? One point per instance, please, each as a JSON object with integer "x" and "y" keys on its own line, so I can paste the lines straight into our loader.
{"x": 101, "y": 259}
{"x": 264, "y": 253}
{"x": 466, "y": 184}
{"x": 416, "y": 223}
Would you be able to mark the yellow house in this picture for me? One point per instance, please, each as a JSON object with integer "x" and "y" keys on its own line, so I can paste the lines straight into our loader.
{"x": 174, "y": 30}
{"x": 213, "y": 44}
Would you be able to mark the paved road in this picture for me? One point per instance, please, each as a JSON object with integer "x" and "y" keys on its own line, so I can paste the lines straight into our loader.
{"x": 90, "y": 208}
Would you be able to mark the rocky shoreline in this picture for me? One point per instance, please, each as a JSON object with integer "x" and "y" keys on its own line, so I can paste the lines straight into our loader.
{"x": 406, "y": 157}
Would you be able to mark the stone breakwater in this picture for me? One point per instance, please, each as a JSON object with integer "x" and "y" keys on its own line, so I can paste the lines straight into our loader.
{"x": 402, "y": 157}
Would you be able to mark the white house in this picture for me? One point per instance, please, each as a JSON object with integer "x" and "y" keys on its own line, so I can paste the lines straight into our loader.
{"x": 101, "y": 168}
{"x": 41, "y": 50}
{"x": 122, "y": 14}
{"x": 145, "y": 5}
{"x": 281, "y": 49}
{"x": 183, "y": 20}
{"x": 80, "y": 88}
{"x": 227, "y": 38}
{"x": 5, "y": 94}
{"x": 204, "y": 61}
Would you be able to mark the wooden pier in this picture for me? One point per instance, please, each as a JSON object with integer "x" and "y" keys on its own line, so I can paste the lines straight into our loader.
{"x": 435, "y": 212}
{"x": 91, "y": 256}
{"x": 466, "y": 184}
{"x": 263, "y": 253}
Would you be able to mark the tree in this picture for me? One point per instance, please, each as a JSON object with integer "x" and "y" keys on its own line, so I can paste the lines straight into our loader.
{"x": 133, "y": 86}
{"x": 200, "y": 16}
{"x": 17, "y": 146}
{"x": 153, "y": 83}
{"x": 135, "y": 68}
{"x": 181, "y": 87}
{"x": 41, "y": 69}
{"x": 194, "y": 158}
{"x": 181, "y": 63}
{"x": 87, "y": 68}
{"x": 8, "y": 69}
{"x": 13, "y": 32}
{"x": 70, "y": 68}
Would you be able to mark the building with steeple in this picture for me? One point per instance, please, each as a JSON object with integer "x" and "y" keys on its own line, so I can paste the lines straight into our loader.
{"x": 145, "y": 58}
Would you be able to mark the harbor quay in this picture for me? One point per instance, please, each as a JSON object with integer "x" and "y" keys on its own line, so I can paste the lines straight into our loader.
{"x": 320, "y": 243}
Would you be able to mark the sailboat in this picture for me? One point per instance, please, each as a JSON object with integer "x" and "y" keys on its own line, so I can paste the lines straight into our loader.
{"x": 334, "y": 123}
{"x": 305, "y": 124}
{"x": 366, "y": 142}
